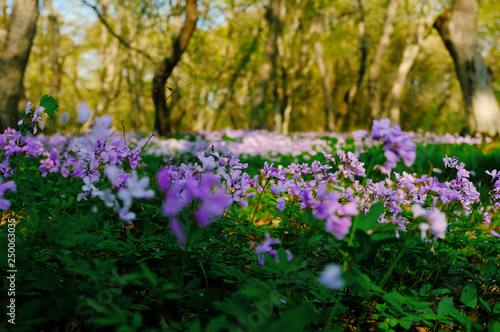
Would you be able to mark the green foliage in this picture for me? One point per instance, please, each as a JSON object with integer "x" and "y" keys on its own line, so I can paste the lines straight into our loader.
{"x": 81, "y": 268}
{"x": 50, "y": 105}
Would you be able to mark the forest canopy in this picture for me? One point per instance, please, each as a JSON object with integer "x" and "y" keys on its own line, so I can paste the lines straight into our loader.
{"x": 294, "y": 65}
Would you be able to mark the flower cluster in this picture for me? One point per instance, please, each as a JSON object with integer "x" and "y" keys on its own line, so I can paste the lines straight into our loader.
{"x": 396, "y": 142}
{"x": 265, "y": 248}
{"x": 31, "y": 122}
{"x": 189, "y": 183}
{"x": 335, "y": 214}
{"x": 437, "y": 223}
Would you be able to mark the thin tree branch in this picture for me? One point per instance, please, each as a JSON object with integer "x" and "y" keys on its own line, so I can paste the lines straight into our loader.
{"x": 120, "y": 38}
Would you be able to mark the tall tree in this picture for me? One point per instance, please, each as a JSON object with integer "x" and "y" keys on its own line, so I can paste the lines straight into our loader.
{"x": 414, "y": 42}
{"x": 374, "y": 72}
{"x": 458, "y": 30}
{"x": 55, "y": 63}
{"x": 326, "y": 73}
{"x": 268, "y": 68}
{"x": 109, "y": 59}
{"x": 165, "y": 67}
{"x": 350, "y": 95}
{"x": 14, "y": 58}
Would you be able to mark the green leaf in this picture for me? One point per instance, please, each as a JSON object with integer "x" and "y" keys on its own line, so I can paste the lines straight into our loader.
{"x": 445, "y": 306}
{"x": 405, "y": 323}
{"x": 149, "y": 275}
{"x": 485, "y": 304}
{"x": 496, "y": 309}
{"x": 217, "y": 324}
{"x": 173, "y": 296}
{"x": 493, "y": 325}
{"x": 50, "y": 105}
{"x": 469, "y": 296}
{"x": 48, "y": 281}
{"x": 370, "y": 221}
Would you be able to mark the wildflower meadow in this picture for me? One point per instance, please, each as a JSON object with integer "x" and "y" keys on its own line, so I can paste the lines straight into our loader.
{"x": 377, "y": 230}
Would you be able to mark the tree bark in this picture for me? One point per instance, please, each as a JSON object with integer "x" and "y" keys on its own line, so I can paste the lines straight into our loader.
{"x": 245, "y": 58}
{"x": 326, "y": 75}
{"x": 346, "y": 109}
{"x": 166, "y": 67}
{"x": 14, "y": 58}
{"x": 458, "y": 30}
{"x": 268, "y": 69}
{"x": 410, "y": 54}
{"x": 374, "y": 80}
{"x": 110, "y": 61}
{"x": 55, "y": 80}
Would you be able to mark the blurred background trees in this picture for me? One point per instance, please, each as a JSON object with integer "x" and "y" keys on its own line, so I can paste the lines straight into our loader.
{"x": 282, "y": 65}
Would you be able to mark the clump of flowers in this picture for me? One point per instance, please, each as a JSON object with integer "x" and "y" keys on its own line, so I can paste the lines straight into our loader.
{"x": 187, "y": 184}
{"x": 31, "y": 122}
{"x": 265, "y": 248}
{"x": 397, "y": 144}
{"x": 436, "y": 221}
{"x": 335, "y": 214}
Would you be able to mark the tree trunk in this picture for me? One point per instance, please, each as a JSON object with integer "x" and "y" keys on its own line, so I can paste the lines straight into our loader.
{"x": 326, "y": 75}
{"x": 166, "y": 67}
{"x": 374, "y": 80}
{"x": 14, "y": 58}
{"x": 110, "y": 62}
{"x": 55, "y": 80}
{"x": 410, "y": 53}
{"x": 458, "y": 30}
{"x": 268, "y": 68}
{"x": 245, "y": 58}
{"x": 347, "y": 106}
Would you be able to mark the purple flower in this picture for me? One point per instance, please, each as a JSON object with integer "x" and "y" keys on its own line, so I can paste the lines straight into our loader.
{"x": 331, "y": 277}
{"x": 38, "y": 119}
{"x": 350, "y": 165}
{"x": 450, "y": 162}
{"x": 380, "y": 128}
{"x": 63, "y": 118}
{"x": 212, "y": 206}
{"x": 437, "y": 221}
{"x": 135, "y": 189}
{"x": 176, "y": 228}
{"x": 336, "y": 215}
{"x": 397, "y": 143}
{"x": 83, "y": 113}
{"x": 9, "y": 185}
{"x": 116, "y": 176}
{"x": 265, "y": 247}
{"x": 281, "y": 204}
{"x": 359, "y": 134}
{"x": 495, "y": 234}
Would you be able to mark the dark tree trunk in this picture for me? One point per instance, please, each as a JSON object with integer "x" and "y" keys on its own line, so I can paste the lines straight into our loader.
{"x": 458, "y": 30}
{"x": 268, "y": 68}
{"x": 14, "y": 58}
{"x": 347, "y": 108}
{"x": 165, "y": 68}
